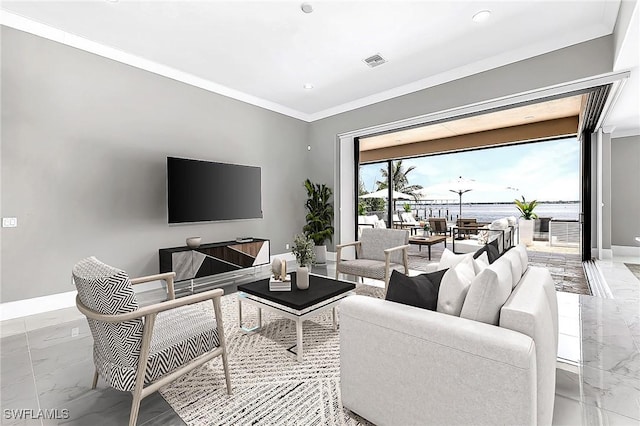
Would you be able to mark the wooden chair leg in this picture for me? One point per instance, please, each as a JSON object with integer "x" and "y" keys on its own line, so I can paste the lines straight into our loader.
{"x": 135, "y": 406}
{"x": 227, "y": 376}
{"x": 95, "y": 379}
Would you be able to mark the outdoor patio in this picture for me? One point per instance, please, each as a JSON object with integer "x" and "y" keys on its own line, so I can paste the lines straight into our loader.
{"x": 563, "y": 262}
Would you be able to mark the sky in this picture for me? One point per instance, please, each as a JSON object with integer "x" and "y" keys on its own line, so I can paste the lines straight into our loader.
{"x": 544, "y": 171}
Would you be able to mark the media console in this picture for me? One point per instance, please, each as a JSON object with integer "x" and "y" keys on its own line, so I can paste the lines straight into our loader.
{"x": 214, "y": 258}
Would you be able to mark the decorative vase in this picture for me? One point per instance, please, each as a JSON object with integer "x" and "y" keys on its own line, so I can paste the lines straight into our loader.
{"x": 321, "y": 254}
{"x": 302, "y": 277}
{"x": 525, "y": 228}
{"x": 193, "y": 242}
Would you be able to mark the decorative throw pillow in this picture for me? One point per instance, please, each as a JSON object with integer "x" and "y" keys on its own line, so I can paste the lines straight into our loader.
{"x": 480, "y": 262}
{"x": 489, "y": 290}
{"x": 499, "y": 224}
{"x": 524, "y": 257}
{"x": 420, "y": 291}
{"x": 454, "y": 286}
{"x": 490, "y": 249}
{"x": 513, "y": 257}
{"x": 449, "y": 259}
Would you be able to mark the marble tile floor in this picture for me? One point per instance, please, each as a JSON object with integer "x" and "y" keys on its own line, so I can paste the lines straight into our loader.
{"x": 46, "y": 362}
{"x": 565, "y": 267}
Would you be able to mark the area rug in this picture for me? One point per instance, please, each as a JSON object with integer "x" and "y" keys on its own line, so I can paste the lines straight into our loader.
{"x": 634, "y": 268}
{"x": 269, "y": 385}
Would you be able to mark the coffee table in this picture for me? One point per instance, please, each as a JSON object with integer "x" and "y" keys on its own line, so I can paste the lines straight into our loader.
{"x": 428, "y": 241}
{"x": 298, "y": 305}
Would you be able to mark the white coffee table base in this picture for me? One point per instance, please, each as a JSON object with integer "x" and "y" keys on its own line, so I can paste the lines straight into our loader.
{"x": 297, "y": 316}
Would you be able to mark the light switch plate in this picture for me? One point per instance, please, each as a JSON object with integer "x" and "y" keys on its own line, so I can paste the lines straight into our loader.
{"x": 9, "y": 222}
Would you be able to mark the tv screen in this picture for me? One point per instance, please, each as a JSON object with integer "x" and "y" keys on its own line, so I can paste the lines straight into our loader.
{"x": 199, "y": 191}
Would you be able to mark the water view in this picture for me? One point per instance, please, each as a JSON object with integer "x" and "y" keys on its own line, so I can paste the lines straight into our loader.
{"x": 490, "y": 212}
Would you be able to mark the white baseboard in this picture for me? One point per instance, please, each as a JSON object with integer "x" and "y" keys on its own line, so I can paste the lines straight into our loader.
{"x": 626, "y": 251}
{"x": 37, "y": 305}
{"x": 53, "y": 302}
{"x": 331, "y": 255}
{"x": 288, "y": 256}
{"x": 607, "y": 254}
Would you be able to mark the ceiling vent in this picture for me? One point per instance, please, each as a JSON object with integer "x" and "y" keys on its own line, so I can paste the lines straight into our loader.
{"x": 375, "y": 60}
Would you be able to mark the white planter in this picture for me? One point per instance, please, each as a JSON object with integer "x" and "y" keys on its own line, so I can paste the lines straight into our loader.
{"x": 525, "y": 229}
{"x": 302, "y": 277}
{"x": 321, "y": 254}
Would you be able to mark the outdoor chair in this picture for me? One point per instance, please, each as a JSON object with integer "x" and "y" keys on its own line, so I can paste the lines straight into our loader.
{"x": 378, "y": 252}
{"x": 438, "y": 225}
{"x": 408, "y": 219}
{"x": 467, "y": 227}
{"x": 141, "y": 349}
{"x": 397, "y": 222}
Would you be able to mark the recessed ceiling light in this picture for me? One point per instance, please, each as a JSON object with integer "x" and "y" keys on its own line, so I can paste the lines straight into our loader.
{"x": 306, "y": 7}
{"x": 481, "y": 16}
{"x": 308, "y": 86}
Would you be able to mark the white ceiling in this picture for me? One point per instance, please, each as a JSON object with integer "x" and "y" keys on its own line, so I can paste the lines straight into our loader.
{"x": 263, "y": 52}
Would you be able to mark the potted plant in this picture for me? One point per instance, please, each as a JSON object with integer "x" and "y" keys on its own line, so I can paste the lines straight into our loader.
{"x": 319, "y": 218}
{"x": 407, "y": 208}
{"x": 527, "y": 220}
{"x": 426, "y": 229}
{"x": 302, "y": 249}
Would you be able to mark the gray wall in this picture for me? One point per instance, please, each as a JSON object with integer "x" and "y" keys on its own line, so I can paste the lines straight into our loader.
{"x": 579, "y": 61}
{"x": 625, "y": 191}
{"x": 84, "y": 146}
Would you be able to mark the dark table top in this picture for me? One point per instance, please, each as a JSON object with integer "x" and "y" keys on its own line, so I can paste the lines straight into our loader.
{"x": 320, "y": 289}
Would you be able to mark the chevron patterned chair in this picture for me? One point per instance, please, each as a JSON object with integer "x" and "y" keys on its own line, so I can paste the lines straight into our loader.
{"x": 141, "y": 349}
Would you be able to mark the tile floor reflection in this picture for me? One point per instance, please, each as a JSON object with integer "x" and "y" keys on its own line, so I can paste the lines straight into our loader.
{"x": 46, "y": 362}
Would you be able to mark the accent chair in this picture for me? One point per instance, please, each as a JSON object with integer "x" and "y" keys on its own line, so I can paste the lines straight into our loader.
{"x": 140, "y": 349}
{"x": 438, "y": 225}
{"x": 378, "y": 252}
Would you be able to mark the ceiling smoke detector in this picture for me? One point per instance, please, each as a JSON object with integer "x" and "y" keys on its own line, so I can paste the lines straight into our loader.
{"x": 375, "y": 60}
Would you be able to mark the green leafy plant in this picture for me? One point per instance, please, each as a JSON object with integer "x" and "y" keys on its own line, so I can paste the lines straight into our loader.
{"x": 406, "y": 207}
{"x": 319, "y": 213}
{"x": 526, "y": 208}
{"x": 302, "y": 249}
{"x": 362, "y": 208}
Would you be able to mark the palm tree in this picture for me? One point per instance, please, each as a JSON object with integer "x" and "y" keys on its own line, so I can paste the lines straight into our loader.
{"x": 399, "y": 177}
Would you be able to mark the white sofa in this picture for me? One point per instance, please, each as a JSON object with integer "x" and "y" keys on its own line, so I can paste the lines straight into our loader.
{"x": 405, "y": 365}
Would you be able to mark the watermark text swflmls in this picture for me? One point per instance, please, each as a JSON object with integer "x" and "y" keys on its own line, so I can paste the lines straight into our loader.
{"x": 30, "y": 413}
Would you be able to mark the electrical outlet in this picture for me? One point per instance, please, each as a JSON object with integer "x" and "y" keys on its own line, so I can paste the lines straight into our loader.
{"x": 286, "y": 246}
{"x": 9, "y": 222}
{"x": 75, "y": 331}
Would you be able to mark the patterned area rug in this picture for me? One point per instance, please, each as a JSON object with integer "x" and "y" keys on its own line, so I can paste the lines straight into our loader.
{"x": 634, "y": 268}
{"x": 269, "y": 385}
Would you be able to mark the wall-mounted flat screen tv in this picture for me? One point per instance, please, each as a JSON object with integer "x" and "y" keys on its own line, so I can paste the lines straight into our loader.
{"x": 201, "y": 191}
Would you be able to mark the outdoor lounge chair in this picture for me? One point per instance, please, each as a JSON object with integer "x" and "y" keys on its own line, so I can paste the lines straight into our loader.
{"x": 408, "y": 220}
{"x": 378, "y": 252}
{"x": 438, "y": 226}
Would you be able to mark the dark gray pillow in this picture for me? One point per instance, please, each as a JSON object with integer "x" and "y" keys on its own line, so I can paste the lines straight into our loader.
{"x": 491, "y": 249}
{"x": 420, "y": 291}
